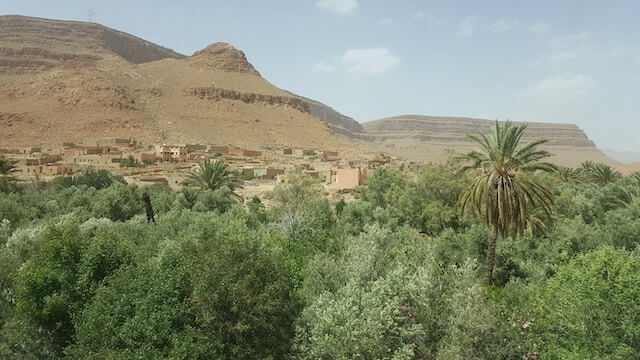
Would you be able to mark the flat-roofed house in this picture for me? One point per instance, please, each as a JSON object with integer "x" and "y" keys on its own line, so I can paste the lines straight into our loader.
{"x": 171, "y": 152}
{"x": 350, "y": 178}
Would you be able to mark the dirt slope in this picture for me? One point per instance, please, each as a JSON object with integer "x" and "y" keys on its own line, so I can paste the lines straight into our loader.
{"x": 67, "y": 81}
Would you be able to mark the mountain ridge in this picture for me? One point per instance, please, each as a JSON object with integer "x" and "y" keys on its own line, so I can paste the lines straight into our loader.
{"x": 425, "y": 138}
{"x": 67, "y": 80}
{"x": 76, "y": 86}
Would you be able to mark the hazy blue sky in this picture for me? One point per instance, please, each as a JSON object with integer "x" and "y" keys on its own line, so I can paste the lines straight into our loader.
{"x": 550, "y": 61}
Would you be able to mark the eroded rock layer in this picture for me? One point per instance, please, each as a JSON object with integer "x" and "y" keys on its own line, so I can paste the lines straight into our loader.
{"x": 213, "y": 93}
{"x": 427, "y": 138}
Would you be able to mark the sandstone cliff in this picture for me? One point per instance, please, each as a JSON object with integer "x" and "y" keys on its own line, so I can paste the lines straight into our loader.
{"x": 427, "y": 137}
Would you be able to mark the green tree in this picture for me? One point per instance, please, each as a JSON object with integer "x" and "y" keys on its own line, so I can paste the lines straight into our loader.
{"x": 502, "y": 190}
{"x": 377, "y": 187}
{"x": 130, "y": 161}
{"x": 242, "y": 290}
{"x": 118, "y": 202}
{"x": 298, "y": 190}
{"x": 220, "y": 200}
{"x": 590, "y": 309}
{"x": 187, "y": 197}
{"x": 144, "y": 313}
{"x": 429, "y": 202}
{"x": 7, "y": 167}
{"x": 52, "y": 287}
{"x": 98, "y": 179}
{"x": 7, "y": 181}
{"x": 380, "y": 299}
{"x": 45, "y": 286}
{"x": 212, "y": 175}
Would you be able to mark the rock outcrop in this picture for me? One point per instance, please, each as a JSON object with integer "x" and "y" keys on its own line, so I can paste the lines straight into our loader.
{"x": 338, "y": 123}
{"x": 222, "y": 56}
{"x": 212, "y": 93}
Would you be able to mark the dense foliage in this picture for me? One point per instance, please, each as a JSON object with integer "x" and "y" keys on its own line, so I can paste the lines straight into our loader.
{"x": 395, "y": 274}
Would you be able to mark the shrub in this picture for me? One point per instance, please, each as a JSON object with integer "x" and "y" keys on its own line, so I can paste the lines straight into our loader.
{"x": 220, "y": 200}
{"x": 46, "y": 292}
{"x": 118, "y": 202}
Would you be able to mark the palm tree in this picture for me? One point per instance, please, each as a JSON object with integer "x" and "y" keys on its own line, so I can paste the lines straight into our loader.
{"x": 570, "y": 175}
{"x": 600, "y": 174}
{"x": 212, "y": 175}
{"x": 502, "y": 191}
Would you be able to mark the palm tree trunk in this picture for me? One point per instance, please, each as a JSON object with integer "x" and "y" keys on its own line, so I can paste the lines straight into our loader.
{"x": 491, "y": 255}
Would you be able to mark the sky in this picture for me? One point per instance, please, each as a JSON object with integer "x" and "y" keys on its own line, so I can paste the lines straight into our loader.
{"x": 552, "y": 61}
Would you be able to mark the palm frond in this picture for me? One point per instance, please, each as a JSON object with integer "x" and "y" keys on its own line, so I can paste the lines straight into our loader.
{"x": 502, "y": 191}
{"x": 212, "y": 175}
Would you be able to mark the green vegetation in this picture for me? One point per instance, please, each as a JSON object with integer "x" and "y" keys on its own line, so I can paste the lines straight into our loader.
{"x": 399, "y": 273}
{"x": 7, "y": 181}
{"x": 6, "y": 166}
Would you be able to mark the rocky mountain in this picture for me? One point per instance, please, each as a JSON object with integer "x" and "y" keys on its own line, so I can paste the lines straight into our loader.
{"x": 30, "y": 45}
{"x": 68, "y": 81}
{"x": 427, "y": 138}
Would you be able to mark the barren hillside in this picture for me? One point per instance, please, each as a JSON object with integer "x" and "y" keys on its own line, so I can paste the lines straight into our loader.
{"x": 66, "y": 81}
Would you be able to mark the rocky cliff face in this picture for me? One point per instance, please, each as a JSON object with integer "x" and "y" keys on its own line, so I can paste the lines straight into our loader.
{"x": 212, "y": 93}
{"x": 338, "y": 123}
{"x": 426, "y": 138}
{"x": 29, "y": 45}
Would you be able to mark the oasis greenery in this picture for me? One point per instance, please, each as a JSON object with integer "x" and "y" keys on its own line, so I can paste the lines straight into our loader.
{"x": 399, "y": 272}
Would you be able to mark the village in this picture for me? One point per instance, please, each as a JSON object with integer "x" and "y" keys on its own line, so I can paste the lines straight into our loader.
{"x": 168, "y": 164}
